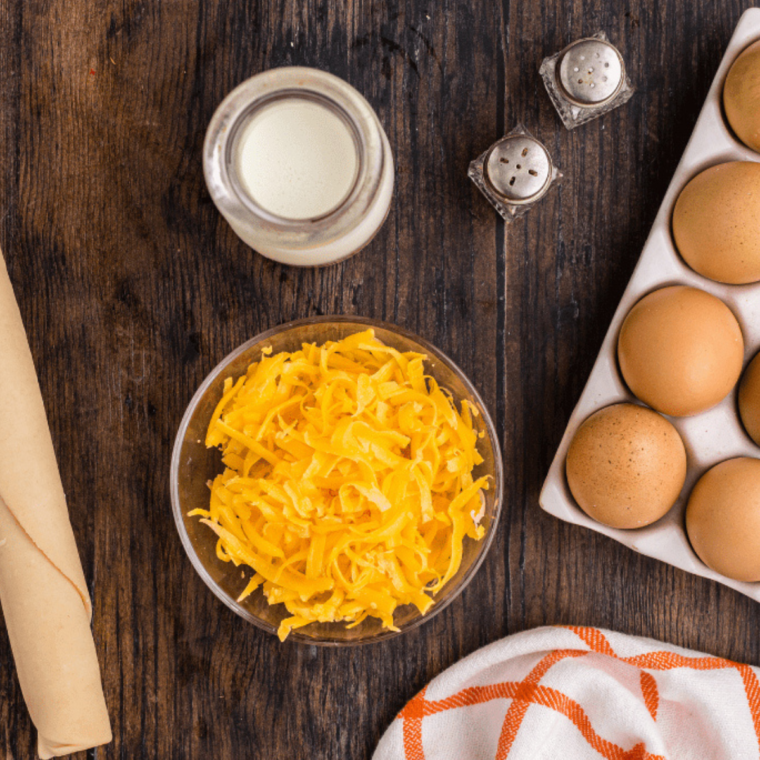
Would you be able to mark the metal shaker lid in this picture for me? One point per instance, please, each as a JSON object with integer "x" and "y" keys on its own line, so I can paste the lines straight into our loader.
{"x": 591, "y": 72}
{"x": 519, "y": 169}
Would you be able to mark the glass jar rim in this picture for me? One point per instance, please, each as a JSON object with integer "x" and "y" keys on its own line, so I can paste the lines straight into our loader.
{"x": 248, "y": 115}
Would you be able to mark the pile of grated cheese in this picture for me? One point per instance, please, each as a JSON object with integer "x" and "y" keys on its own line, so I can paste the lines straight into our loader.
{"x": 348, "y": 485}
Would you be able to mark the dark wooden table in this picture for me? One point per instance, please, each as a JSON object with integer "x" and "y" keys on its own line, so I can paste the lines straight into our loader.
{"x": 132, "y": 287}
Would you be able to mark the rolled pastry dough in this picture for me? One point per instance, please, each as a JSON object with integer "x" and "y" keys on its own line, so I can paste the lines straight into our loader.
{"x": 43, "y": 592}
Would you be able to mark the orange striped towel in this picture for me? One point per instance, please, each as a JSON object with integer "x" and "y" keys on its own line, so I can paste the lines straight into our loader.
{"x": 581, "y": 694}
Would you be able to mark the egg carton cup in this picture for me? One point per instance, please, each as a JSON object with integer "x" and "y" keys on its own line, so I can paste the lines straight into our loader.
{"x": 710, "y": 437}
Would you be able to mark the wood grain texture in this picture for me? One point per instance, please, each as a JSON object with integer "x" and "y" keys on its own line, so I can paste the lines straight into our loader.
{"x": 132, "y": 288}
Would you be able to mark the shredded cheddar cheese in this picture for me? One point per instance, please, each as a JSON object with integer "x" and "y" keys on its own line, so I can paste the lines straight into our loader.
{"x": 348, "y": 485}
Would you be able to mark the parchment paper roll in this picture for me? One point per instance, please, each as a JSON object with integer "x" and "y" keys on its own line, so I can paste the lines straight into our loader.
{"x": 42, "y": 588}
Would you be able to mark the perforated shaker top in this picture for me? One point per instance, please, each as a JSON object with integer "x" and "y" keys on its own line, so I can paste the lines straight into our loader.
{"x": 519, "y": 169}
{"x": 591, "y": 72}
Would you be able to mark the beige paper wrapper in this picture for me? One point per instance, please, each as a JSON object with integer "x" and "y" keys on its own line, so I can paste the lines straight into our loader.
{"x": 42, "y": 588}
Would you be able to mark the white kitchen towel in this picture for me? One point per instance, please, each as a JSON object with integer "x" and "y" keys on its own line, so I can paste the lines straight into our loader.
{"x": 581, "y": 694}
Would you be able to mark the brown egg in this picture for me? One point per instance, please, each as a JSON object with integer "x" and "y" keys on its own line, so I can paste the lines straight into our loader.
{"x": 715, "y": 223}
{"x": 741, "y": 96}
{"x": 680, "y": 350}
{"x": 723, "y": 518}
{"x": 626, "y": 466}
{"x": 749, "y": 399}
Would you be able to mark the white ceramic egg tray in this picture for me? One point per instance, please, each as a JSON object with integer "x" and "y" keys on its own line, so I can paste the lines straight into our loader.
{"x": 716, "y": 434}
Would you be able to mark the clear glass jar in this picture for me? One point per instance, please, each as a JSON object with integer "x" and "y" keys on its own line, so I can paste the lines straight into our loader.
{"x": 314, "y": 240}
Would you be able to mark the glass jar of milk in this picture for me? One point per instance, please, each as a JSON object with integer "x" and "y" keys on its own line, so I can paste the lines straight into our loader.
{"x": 299, "y": 165}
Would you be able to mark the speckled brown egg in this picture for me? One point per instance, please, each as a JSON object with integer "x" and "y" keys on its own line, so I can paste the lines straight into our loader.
{"x": 626, "y": 466}
{"x": 680, "y": 350}
{"x": 715, "y": 223}
{"x": 749, "y": 399}
{"x": 741, "y": 96}
{"x": 723, "y": 519}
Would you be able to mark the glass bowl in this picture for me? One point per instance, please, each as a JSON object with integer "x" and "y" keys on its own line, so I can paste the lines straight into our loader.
{"x": 193, "y": 465}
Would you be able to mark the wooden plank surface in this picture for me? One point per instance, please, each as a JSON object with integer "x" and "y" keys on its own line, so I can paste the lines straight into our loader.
{"x": 132, "y": 287}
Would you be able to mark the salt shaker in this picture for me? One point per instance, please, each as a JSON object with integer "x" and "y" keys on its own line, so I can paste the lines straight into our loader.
{"x": 586, "y": 80}
{"x": 514, "y": 173}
